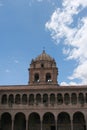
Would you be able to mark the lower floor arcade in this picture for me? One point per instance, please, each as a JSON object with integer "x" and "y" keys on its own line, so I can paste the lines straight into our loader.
{"x": 48, "y": 121}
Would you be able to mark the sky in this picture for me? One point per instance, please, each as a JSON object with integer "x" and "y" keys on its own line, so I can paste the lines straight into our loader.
{"x": 29, "y": 26}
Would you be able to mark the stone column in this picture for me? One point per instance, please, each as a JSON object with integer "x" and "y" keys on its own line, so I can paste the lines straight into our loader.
{"x": 63, "y": 99}
{"x": 34, "y": 99}
{"x": 21, "y": 102}
{"x": 12, "y": 124}
{"x": 48, "y": 99}
{"x": 26, "y": 124}
{"x": 77, "y": 98}
{"x": 56, "y": 123}
{"x": 41, "y": 122}
{"x": 41, "y": 125}
{"x": 86, "y": 120}
{"x": 71, "y": 118}
{"x": 56, "y": 99}
{"x": 71, "y": 124}
{"x": 0, "y": 99}
{"x": 41, "y": 99}
{"x": 0, "y": 122}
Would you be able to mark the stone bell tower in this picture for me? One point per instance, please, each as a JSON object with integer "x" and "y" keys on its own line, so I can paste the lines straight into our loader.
{"x": 43, "y": 70}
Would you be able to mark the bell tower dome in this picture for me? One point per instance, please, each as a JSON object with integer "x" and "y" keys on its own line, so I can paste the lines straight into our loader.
{"x": 43, "y": 70}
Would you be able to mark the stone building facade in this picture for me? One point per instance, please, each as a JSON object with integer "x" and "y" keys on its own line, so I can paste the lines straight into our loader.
{"x": 43, "y": 104}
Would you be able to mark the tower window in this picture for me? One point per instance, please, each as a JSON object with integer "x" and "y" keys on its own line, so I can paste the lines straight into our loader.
{"x": 36, "y": 77}
{"x": 48, "y": 77}
{"x": 42, "y": 65}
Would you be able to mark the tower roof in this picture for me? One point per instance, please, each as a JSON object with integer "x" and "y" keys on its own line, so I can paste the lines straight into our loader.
{"x": 44, "y": 57}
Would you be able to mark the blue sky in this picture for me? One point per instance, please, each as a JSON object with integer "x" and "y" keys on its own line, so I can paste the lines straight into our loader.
{"x": 27, "y": 26}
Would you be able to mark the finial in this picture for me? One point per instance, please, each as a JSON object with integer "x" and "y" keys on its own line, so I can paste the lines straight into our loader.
{"x": 43, "y": 49}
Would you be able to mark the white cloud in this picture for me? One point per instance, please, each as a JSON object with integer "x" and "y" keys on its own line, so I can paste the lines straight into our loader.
{"x": 52, "y": 2}
{"x": 33, "y": 1}
{"x": 75, "y": 38}
{"x": 80, "y": 72}
{"x": 16, "y": 61}
{"x": 39, "y": 0}
{"x": 7, "y": 70}
{"x": 67, "y": 84}
{"x": 1, "y": 4}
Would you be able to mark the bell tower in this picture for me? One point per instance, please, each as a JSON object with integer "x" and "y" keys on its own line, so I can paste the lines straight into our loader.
{"x": 43, "y": 70}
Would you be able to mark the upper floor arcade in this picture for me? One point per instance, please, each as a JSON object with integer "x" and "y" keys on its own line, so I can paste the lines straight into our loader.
{"x": 44, "y": 97}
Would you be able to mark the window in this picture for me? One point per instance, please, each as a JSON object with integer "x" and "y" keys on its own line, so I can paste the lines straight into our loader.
{"x": 36, "y": 77}
{"x": 42, "y": 65}
{"x": 31, "y": 99}
{"x": 73, "y": 98}
{"x": 81, "y": 98}
{"x": 59, "y": 98}
{"x": 17, "y": 99}
{"x": 4, "y": 99}
{"x": 38, "y": 99}
{"x": 11, "y": 99}
{"x": 66, "y": 98}
{"x": 48, "y": 77}
{"x": 24, "y": 99}
{"x": 45, "y": 99}
{"x": 52, "y": 99}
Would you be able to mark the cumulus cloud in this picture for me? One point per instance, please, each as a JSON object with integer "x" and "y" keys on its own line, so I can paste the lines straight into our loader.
{"x": 66, "y": 84}
{"x": 64, "y": 26}
{"x": 52, "y": 2}
{"x": 7, "y": 70}
{"x": 39, "y": 0}
{"x": 16, "y": 61}
{"x": 1, "y": 3}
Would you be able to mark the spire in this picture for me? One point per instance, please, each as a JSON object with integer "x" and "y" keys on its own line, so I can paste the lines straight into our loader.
{"x": 43, "y": 49}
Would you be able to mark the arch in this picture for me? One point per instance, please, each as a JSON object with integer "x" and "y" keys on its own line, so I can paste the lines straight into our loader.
{"x": 79, "y": 121}
{"x": 11, "y": 99}
{"x": 73, "y": 98}
{"x": 34, "y": 121}
{"x": 38, "y": 99}
{"x": 17, "y": 99}
{"x": 31, "y": 99}
{"x": 6, "y": 122}
{"x": 20, "y": 121}
{"x": 66, "y": 98}
{"x": 52, "y": 99}
{"x": 59, "y": 99}
{"x": 4, "y": 99}
{"x": 42, "y": 65}
{"x": 48, "y": 77}
{"x": 86, "y": 98}
{"x": 36, "y": 77}
{"x": 81, "y": 98}
{"x": 24, "y": 99}
{"x": 45, "y": 99}
{"x": 48, "y": 121}
{"x": 63, "y": 121}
